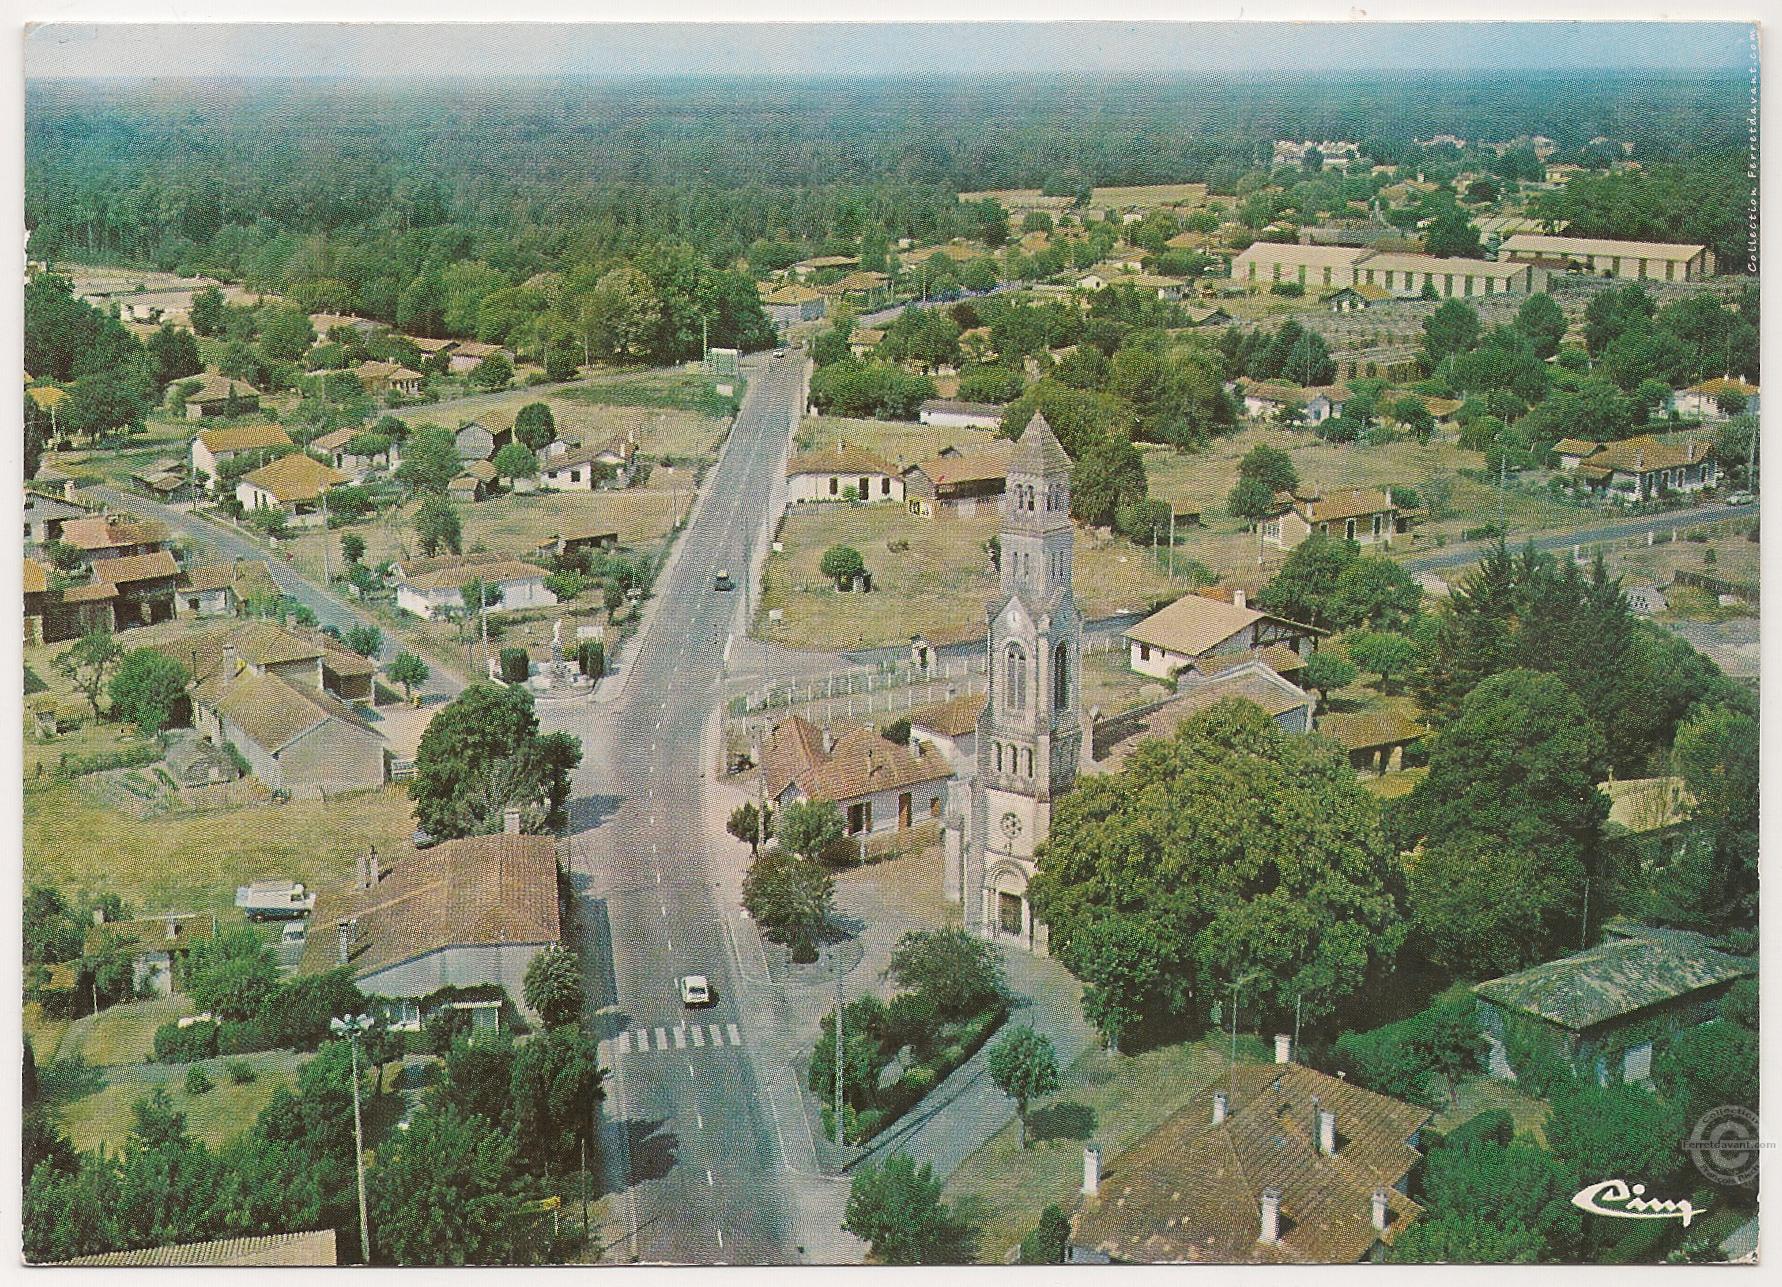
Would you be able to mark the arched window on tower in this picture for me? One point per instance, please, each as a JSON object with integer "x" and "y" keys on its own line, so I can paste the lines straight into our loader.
{"x": 1027, "y": 761}
{"x": 1014, "y": 688}
{"x": 998, "y": 748}
{"x": 1061, "y": 677}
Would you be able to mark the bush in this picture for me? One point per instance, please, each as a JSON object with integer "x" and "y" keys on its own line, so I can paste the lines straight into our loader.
{"x": 591, "y": 657}
{"x": 919, "y": 1079}
{"x": 241, "y": 1072}
{"x": 198, "y": 1082}
{"x": 243, "y": 1038}
{"x": 131, "y": 757}
{"x": 516, "y": 665}
{"x": 195, "y": 1041}
{"x": 1046, "y": 1244}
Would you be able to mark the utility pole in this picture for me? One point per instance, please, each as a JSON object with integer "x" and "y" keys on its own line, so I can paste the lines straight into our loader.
{"x": 1296, "y": 1009}
{"x": 1172, "y": 543}
{"x": 482, "y": 611}
{"x": 327, "y": 579}
{"x": 352, "y": 1027}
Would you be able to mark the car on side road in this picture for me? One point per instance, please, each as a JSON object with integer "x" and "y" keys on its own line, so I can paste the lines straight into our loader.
{"x": 1741, "y": 498}
{"x": 695, "y": 990}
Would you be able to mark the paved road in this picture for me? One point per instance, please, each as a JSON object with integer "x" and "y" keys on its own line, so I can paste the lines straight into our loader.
{"x": 218, "y": 543}
{"x": 688, "y": 1117}
{"x": 891, "y": 314}
{"x": 1621, "y": 530}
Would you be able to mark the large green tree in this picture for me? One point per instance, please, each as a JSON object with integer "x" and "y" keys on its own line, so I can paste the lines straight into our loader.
{"x": 1233, "y": 849}
{"x": 148, "y": 689}
{"x": 483, "y": 754}
{"x": 897, "y": 1208}
{"x": 444, "y": 1192}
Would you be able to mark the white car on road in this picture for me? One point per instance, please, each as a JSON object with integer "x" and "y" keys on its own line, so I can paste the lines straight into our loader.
{"x": 695, "y": 990}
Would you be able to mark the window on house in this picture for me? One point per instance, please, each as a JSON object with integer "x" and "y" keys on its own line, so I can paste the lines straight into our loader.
{"x": 884, "y": 486}
{"x": 1144, "y": 652}
{"x": 835, "y": 486}
{"x": 1349, "y": 530}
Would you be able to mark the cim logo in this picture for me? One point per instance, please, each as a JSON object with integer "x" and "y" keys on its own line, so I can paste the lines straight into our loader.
{"x": 1615, "y": 1198}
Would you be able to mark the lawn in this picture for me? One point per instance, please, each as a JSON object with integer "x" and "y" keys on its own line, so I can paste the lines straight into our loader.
{"x": 937, "y": 582}
{"x": 1200, "y": 481}
{"x": 593, "y": 413}
{"x": 669, "y": 387}
{"x": 1110, "y": 683}
{"x": 901, "y": 442}
{"x": 122, "y": 1034}
{"x": 1482, "y": 1094}
{"x": 102, "y": 1115}
{"x": 1114, "y": 1100}
{"x": 192, "y": 862}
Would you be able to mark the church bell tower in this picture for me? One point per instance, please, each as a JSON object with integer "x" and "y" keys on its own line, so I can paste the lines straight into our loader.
{"x": 1030, "y": 734}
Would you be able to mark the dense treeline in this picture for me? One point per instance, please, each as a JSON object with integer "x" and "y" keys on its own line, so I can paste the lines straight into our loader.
{"x": 356, "y": 190}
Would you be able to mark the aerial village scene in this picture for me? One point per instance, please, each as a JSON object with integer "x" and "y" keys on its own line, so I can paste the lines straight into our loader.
{"x": 658, "y": 660}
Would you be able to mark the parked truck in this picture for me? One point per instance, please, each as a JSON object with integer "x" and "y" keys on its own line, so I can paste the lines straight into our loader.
{"x": 275, "y": 900}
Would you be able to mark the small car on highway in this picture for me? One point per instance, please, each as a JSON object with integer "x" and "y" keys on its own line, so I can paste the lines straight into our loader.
{"x": 722, "y": 580}
{"x": 695, "y": 990}
{"x": 779, "y": 353}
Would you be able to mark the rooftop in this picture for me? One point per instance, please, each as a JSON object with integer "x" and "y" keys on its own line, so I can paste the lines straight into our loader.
{"x": 1191, "y": 1191}
{"x": 108, "y": 532}
{"x": 953, "y": 718}
{"x": 1193, "y": 624}
{"x": 840, "y": 459}
{"x": 294, "y": 478}
{"x": 244, "y": 438}
{"x": 1617, "y": 979}
{"x": 479, "y": 890}
{"x": 1540, "y": 244}
{"x": 453, "y": 574}
{"x": 136, "y": 567}
{"x": 291, "y": 1249}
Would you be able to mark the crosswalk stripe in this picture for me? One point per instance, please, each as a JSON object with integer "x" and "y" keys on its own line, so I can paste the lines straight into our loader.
{"x": 735, "y": 1036}
{"x": 698, "y": 1035}
{"x": 661, "y": 1039}
{"x": 680, "y": 1038}
{"x": 717, "y": 1034}
{"x": 603, "y": 1053}
{"x": 624, "y": 1043}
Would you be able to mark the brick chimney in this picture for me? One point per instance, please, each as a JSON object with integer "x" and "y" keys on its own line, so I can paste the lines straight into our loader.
{"x": 1091, "y": 1171}
{"x": 510, "y": 822}
{"x": 1271, "y": 1217}
{"x": 172, "y": 929}
{"x": 1221, "y": 1106}
{"x": 68, "y": 489}
{"x": 375, "y": 868}
{"x": 1283, "y": 1048}
{"x": 1380, "y": 1210}
{"x": 828, "y": 740}
{"x": 1327, "y": 1132}
{"x": 365, "y": 877}
{"x": 231, "y": 659}
{"x": 1239, "y": 599}
{"x": 344, "y": 929}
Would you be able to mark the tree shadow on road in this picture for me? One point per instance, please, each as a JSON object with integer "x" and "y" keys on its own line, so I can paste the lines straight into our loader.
{"x": 653, "y": 1150}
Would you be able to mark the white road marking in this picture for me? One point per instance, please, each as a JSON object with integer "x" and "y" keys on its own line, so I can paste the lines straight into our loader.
{"x": 718, "y": 1034}
{"x": 700, "y": 1118}
{"x": 698, "y": 1035}
{"x": 735, "y": 1036}
{"x": 709, "y": 1182}
{"x": 643, "y": 1041}
{"x": 662, "y": 1039}
{"x": 720, "y": 1239}
{"x": 680, "y": 1038}
{"x": 658, "y": 875}
{"x": 689, "y": 1071}
{"x": 665, "y": 909}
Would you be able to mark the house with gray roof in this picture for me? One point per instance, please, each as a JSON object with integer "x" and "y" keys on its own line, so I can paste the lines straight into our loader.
{"x": 1607, "y": 1010}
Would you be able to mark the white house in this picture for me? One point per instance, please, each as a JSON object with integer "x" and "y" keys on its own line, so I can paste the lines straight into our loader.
{"x": 878, "y": 785}
{"x": 469, "y": 913}
{"x": 954, "y": 414}
{"x": 212, "y": 448}
{"x": 1703, "y": 400}
{"x": 295, "y": 484}
{"x": 429, "y": 587}
{"x": 336, "y": 446}
{"x": 1365, "y": 515}
{"x": 582, "y": 469}
{"x": 826, "y": 475}
{"x": 1646, "y": 468}
{"x": 1317, "y": 402}
{"x": 1198, "y": 626}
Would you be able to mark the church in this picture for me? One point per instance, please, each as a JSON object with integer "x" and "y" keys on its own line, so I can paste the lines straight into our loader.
{"x": 1031, "y": 735}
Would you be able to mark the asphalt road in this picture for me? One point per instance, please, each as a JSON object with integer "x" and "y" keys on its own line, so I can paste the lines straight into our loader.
{"x": 686, "y": 1112}
{"x": 1597, "y": 534}
{"x": 218, "y": 543}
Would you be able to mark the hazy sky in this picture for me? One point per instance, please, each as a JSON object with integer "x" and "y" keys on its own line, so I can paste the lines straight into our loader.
{"x": 790, "y": 49}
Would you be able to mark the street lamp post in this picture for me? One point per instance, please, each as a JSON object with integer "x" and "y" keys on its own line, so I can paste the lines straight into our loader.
{"x": 352, "y": 1027}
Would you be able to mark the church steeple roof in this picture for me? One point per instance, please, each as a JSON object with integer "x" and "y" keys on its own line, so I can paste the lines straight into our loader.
{"x": 1038, "y": 451}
